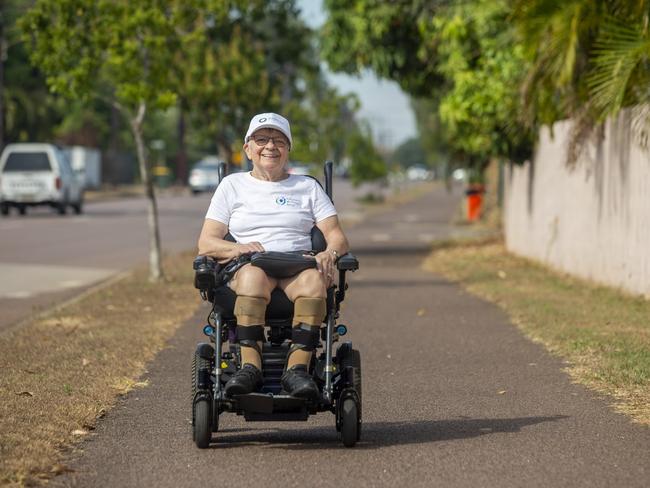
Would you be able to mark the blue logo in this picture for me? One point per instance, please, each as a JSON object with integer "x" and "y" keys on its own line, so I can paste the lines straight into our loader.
{"x": 281, "y": 200}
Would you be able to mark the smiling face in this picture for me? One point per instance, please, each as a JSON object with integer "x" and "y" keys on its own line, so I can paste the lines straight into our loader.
{"x": 270, "y": 158}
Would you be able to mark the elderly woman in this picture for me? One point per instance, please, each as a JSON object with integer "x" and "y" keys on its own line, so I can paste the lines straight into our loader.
{"x": 268, "y": 209}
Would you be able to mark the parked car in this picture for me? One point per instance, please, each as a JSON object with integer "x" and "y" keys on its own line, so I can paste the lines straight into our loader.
{"x": 298, "y": 169}
{"x": 419, "y": 172}
{"x": 37, "y": 174}
{"x": 86, "y": 163}
{"x": 205, "y": 175}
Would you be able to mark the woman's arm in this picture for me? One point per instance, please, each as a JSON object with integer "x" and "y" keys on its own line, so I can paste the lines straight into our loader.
{"x": 337, "y": 243}
{"x": 337, "y": 246}
{"x": 212, "y": 243}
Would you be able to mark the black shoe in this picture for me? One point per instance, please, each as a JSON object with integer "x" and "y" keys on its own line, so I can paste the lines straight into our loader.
{"x": 297, "y": 382}
{"x": 247, "y": 380}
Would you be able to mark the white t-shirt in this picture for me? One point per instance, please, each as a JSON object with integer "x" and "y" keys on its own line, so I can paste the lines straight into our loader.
{"x": 277, "y": 214}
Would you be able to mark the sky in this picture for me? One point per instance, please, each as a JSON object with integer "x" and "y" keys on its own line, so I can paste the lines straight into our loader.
{"x": 383, "y": 104}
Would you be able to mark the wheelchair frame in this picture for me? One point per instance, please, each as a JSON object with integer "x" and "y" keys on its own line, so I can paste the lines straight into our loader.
{"x": 338, "y": 376}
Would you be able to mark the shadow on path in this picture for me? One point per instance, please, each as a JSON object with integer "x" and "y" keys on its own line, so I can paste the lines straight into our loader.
{"x": 376, "y": 435}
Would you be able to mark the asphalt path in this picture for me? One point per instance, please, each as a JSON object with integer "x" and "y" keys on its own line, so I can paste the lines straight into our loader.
{"x": 46, "y": 259}
{"x": 454, "y": 396}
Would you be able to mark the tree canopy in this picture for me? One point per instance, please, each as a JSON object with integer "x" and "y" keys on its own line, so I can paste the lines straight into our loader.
{"x": 494, "y": 71}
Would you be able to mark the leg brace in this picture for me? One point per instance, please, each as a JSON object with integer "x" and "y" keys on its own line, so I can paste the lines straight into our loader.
{"x": 250, "y": 312}
{"x": 307, "y": 318}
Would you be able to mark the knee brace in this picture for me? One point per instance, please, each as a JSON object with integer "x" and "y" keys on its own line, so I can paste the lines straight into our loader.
{"x": 250, "y": 310}
{"x": 310, "y": 311}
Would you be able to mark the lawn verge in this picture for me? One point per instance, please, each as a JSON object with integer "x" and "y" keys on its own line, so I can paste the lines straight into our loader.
{"x": 603, "y": 333}
{"x": 65, "y": 368}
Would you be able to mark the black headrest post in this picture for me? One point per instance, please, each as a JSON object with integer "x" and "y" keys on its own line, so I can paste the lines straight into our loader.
{"x": 221, "y": 170}
{"x": 328, "y": 179}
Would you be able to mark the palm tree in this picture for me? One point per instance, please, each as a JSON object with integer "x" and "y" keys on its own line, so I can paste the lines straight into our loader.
{"x": 589, "y": 59}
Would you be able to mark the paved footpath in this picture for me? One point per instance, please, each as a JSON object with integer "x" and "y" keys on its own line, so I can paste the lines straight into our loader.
{"x": 454, "y": 396}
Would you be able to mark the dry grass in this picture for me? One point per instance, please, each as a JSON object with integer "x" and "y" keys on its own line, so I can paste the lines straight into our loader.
{"x": 63, "y": 371}
{"x": 602, "y": 332}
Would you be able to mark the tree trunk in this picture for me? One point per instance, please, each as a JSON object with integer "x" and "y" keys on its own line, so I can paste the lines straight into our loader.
{"x": 155, "y": 264}
{"x": 181, "y": 156}
{"x": 224, "y": 148}
{"x": 3, "y": 56}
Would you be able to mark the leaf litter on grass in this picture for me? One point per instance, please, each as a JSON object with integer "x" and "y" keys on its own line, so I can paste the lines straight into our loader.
{"x": 62, "y": 371}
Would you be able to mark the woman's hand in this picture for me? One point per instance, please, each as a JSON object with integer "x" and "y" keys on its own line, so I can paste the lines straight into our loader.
{"x": 241, "y": 249}
{"x": 326, "y": 264}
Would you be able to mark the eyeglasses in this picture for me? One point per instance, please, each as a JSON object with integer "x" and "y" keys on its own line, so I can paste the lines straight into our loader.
{"x": 279, "y": 141}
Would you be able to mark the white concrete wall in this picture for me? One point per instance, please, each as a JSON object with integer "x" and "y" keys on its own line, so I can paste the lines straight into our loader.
{"x": 593, "y": 220}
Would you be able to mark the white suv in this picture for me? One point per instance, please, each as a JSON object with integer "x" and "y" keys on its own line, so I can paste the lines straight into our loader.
{"x": 37, "y": 174}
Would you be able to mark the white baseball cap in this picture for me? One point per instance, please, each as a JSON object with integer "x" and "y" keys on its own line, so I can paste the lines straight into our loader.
{"x": 269, "y": 121}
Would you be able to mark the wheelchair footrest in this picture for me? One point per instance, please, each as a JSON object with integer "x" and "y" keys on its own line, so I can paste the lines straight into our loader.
{"x": 260, "y": 403}
{"x": 276, "y": 417}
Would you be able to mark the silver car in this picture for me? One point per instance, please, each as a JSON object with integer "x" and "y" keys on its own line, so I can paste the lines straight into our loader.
{"x": 37, "y": 174}
{"x": 205, "y": 175}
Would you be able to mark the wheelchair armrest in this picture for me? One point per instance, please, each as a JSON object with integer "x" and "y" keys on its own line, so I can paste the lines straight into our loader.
{"x": 205, "y": 272}
{"x": 347, "y": 262}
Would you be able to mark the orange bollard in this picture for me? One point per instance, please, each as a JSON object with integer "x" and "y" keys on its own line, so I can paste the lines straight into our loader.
{"x": 474, "y": 201}
{"x": 474, "y": 204}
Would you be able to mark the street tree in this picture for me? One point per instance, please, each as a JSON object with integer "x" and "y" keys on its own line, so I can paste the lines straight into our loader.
{"x": 484, "y": 69}
{"x": 366, "y": 162}
{"x": 250, "y": 59}
{"x": 88, "y": 48}
{"x": 588, "y": 60}
{"x": 458, "y": 57}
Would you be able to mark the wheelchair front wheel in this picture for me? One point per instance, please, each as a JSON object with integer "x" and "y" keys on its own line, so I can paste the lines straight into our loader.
{"x": 202, "y": 423}
{"x": 349, "y": 422}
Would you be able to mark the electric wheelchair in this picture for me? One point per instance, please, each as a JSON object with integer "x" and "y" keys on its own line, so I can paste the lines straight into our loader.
{"x": 337, "y": 374}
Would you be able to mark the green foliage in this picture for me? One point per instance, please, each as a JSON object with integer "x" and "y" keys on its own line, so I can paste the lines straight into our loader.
{"x": 409, "y": 153}
{"x": 321, "y": 122}
{"x": 621, "y": 60}
{"x": 86, "y": 47}
{"x": 494, "y": 71}
{"x": 459, "y": 58}
{"x": 384, "y": 36}
{"x": 484, "y": 69}
{"x": 367, "y": 164}
{"x": 557, "y": 39}
{"x": 260, "y": 57}
{"x": 587, "y": 56}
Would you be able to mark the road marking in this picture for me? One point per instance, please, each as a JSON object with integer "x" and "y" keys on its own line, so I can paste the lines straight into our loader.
{"x": 71, "y": 283}
{"x": 17, "y": 294}
{"x": 380, "y": 237}
{"x": 426, "y": 237}
{"x": 411, "y": 218}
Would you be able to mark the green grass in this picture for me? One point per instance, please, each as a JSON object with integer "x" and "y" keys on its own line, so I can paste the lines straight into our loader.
{"x": 603, "y": 333}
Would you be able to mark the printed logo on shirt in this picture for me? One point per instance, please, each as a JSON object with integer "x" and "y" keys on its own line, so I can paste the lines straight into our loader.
{"x": 283, "y": 200}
